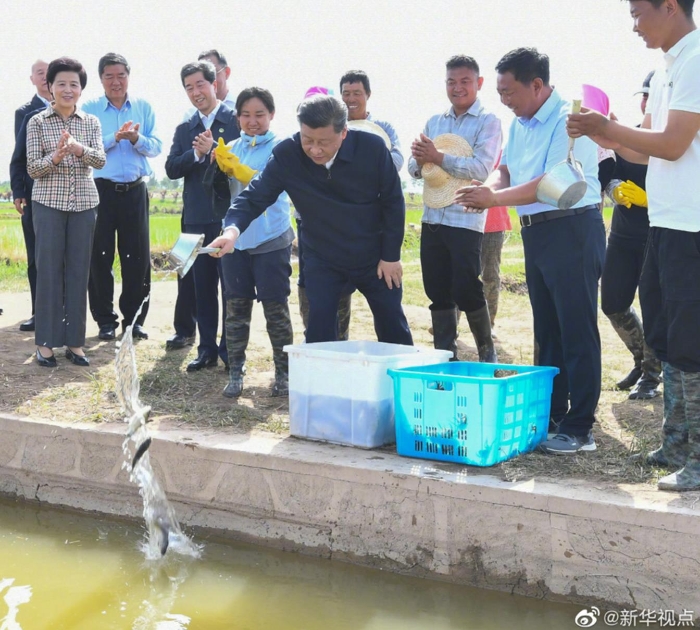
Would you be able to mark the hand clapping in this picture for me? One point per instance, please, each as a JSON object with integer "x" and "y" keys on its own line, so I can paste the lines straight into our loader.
{"x": 129, "y": 132}
{"x": 203, "y": 143}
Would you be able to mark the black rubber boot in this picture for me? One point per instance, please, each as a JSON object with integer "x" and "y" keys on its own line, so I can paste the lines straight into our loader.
{"x": 238, "y": 315}
{"x": 445, "y": 331}
{"x": 480, "y": 325}
{"x": 648, "y": 386}
{"x": 344, "y": 310}
{"x": 628, "y": 326}
{"x": 279, "y": 328}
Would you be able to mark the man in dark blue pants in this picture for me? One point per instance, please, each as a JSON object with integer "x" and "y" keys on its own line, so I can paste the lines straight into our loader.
{"x": 564, "y": 248}
{"x": 189, "y": 157}
{"x": 348, "y": 193}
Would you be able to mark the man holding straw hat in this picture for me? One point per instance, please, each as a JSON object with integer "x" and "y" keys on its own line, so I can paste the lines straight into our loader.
{"x": 456, "y": 147}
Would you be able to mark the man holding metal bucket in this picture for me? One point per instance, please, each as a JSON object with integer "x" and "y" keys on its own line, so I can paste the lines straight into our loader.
{"x": 563, "y": 237}
{"x": 669, "y": 141}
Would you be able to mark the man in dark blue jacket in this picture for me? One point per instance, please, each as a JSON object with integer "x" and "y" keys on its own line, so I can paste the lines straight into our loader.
{"x": 348, "y": 193}
{"x": 189, "y": 158}
{"x": 21, "y": 182}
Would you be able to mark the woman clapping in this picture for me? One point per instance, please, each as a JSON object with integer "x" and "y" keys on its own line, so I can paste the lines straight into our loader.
{"x": 63, "y": 145}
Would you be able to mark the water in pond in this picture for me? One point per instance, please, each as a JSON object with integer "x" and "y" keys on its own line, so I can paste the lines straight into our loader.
{"x": 62, "y": 570}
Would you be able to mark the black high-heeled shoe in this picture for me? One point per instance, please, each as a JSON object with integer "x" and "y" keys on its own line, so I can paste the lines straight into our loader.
{"x": 45, "y": 361}
{"x": 76, "y": 359}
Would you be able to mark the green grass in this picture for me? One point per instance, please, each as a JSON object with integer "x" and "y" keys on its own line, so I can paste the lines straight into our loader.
{"x": 165, "y": 229}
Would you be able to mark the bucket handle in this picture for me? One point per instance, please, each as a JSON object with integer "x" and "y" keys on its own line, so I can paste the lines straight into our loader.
{"x": 575, "y": 109}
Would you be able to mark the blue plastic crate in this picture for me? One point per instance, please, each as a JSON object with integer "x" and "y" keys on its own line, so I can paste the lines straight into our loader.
{"x": 459, "y": 412}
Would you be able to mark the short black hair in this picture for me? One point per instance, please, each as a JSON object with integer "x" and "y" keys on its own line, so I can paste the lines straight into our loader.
{"x": 255, "y": 92}
{"x": 356, "y": 76}
{"x": 526, "y": 65}
{"x": 322, "y": 111}
{"x": 66, "y": 64}
{"x": 112, "y": 59}
{"x": 686, "y": 5}
{"x": 205, "y": 67}
{"x": 462, "y": 61}
{"x": 220, "y": 59}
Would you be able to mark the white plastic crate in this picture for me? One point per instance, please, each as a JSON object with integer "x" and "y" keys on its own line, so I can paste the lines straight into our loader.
{"x": 339, "y": 391}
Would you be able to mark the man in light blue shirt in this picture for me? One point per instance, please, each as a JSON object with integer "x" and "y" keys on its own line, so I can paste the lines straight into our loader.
{"x": 451, "y": 238}
{"x": 130, "y": 138}
{"x": 564, "y": 249}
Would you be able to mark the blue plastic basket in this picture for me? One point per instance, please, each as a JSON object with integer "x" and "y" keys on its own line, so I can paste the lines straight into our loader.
{"x": 459, "y": 412}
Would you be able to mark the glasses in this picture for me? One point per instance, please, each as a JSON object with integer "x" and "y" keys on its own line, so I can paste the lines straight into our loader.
{"x": 221, "y": 70}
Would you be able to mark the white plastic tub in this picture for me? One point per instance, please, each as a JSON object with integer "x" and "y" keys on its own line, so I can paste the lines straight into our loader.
{"x": 340, "y": 392}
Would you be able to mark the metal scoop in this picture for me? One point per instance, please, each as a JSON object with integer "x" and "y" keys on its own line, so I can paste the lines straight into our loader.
{"x": 565, "y": 184}
{"x": 185, "y": 252}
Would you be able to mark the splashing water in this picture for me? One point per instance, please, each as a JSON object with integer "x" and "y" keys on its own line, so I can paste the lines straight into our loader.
{"x": 164, "y": 531}
{"x": 14, "y": 598}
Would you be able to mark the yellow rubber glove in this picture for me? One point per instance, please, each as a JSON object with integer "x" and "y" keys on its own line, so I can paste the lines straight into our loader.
{"x": 619, "y": 198}
{"x": 230, "y": 163}
{"x": 633, "y": 194}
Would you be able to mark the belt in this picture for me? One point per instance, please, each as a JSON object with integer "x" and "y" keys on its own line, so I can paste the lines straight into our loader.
{"x": 121, "y": 186}
{"x": 550, "y": 215}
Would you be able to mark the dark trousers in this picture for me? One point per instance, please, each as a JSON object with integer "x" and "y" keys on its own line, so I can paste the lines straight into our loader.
{"x": 262, "y": 277}
{"x": 563, "y": 262}
{"x": 30, "y": 245}
{"x": 63, "y": 249}
{"x": 450, "y": 259}
{"x": 348, "y": 290}
{"x": 207, "y": 282}
{"x": 185, "y": 318}
{"x": 326, "y": 283}
{"x": 669, "y": 292}
{"x": 624, "y": 258}
{"x": 126, "y": 215}
{"x": 491, "y": 248}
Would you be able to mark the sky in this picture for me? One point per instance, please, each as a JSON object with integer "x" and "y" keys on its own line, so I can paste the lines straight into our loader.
{"x": 287, "y": 47}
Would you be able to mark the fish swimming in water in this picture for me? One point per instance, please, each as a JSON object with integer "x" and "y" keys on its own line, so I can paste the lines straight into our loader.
{"x": 140, "y": 452}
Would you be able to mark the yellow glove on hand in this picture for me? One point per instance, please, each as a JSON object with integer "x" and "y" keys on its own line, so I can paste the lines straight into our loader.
{"x": 619, "y": 198}
{"x": 633, "y": 194}
{"x": 230, "y": 163}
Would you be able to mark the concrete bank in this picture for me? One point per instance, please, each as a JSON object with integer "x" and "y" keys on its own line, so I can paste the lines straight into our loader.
{"x": 615, "y": 546}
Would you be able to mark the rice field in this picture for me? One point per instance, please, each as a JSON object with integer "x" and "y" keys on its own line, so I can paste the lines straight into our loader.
{"x": 165, "y": 229}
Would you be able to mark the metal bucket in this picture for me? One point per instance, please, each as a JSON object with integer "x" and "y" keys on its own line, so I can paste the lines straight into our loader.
{"x": 565, "y": 185}
{"x": 185, "y": 252}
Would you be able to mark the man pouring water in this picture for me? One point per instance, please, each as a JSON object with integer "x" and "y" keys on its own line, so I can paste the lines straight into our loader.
{"x": 346, "y": 189}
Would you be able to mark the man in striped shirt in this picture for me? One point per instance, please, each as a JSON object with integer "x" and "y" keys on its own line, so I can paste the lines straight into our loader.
{"x": 450, "y": 237}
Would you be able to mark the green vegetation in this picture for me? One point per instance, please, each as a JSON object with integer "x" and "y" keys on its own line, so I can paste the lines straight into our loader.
{"x": 165, "y": 229}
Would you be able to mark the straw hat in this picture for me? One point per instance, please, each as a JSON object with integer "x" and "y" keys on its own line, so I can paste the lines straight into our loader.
{"x": 439, "y": 187}
{"x": 369, "y": 126}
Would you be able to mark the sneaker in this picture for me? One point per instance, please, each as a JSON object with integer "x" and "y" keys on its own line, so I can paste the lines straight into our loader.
{"x": 553, "y": 428}
{"x": 562, "y": 444}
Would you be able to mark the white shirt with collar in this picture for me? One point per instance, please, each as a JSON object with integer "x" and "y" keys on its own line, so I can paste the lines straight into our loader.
{"x": 673, "y": 188}
{"x": 207, "y": 121}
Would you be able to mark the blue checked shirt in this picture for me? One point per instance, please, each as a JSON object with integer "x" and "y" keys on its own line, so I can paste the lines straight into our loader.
{"x": 126, "y": 162}
{"x": 537, "y": 144}
{"x": 482, "y": 130}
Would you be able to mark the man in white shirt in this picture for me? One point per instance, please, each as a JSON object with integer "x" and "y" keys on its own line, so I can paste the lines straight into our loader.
{"x": 669, "y": 140}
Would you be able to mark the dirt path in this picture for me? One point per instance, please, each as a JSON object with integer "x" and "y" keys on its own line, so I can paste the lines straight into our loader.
{"x": 70, "y": 393}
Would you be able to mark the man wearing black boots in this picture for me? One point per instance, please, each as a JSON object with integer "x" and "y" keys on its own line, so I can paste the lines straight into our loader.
{"x": 623, "y": 266}
{"x": 450, "y": 237}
